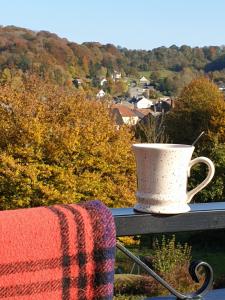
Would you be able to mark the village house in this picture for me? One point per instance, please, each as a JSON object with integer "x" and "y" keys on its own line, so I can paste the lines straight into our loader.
{"x": 163, "y": 105}
{"x": 129, "y": 116}
{"x": 103, "y": 81}
{"x": 143, "y": 102}
{"x": 124, "y": 115}
{"x": 135, "y": 91}
{"x": 100, "y": 94}
{"x": 144, "y": 80}
{"x": 116, "y": 75}
{"x": 142, "y": 112}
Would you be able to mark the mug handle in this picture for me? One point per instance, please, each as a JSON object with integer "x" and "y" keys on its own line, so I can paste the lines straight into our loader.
{"x": 211, "y": 172}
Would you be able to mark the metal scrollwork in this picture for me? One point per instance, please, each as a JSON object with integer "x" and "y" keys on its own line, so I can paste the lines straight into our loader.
{"x": 194, "y": 269}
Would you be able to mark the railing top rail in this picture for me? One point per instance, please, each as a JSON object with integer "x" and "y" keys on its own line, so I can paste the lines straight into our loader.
{"x": 204, "y": 216}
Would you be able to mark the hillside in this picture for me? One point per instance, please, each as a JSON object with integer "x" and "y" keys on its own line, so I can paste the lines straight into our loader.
{"x": 55, "y": 58}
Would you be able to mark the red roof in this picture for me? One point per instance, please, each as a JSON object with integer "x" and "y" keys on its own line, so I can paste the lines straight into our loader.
{"x": 142, "y": 112}
{"x": 124, "y": 110}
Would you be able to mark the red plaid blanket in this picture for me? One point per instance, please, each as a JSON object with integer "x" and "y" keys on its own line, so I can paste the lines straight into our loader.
{"x": 61, "y": 252}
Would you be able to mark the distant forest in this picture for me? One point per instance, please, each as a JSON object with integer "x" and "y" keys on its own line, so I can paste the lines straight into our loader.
{"x": 61, "y": 61}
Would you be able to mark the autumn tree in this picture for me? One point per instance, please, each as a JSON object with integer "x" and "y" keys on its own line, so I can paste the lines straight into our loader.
{"x": 60, "y": 60}
{"x": 57, "y": 146}
{"x": 201, "y": 107}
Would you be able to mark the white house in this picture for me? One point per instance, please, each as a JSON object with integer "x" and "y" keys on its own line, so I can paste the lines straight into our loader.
{"x": 144, "y": 80}
{"x": 100, "y": 94}
{"x": 143, "y": 103}
{"x": 103, "y": 81}
{"x": 116, "y": 75}
{"x": 164, "y": 98}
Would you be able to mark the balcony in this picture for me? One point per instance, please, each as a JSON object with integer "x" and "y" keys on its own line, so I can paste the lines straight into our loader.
{"x": 207, "y": 216}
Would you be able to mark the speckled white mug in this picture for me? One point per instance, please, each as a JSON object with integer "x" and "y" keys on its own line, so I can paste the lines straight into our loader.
{"x": 162, "y": 173}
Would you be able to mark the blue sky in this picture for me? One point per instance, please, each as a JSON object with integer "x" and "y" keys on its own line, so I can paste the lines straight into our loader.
{"x": 140, "y": 24}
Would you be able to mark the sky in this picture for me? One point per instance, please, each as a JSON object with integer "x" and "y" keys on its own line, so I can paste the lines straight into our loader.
{"x": 134, "y": 24}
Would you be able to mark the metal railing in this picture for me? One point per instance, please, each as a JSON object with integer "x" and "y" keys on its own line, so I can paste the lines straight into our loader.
{"x": 207, "y": 216}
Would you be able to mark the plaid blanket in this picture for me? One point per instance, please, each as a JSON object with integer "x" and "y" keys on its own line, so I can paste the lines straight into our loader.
{"x": 61, "y": 252}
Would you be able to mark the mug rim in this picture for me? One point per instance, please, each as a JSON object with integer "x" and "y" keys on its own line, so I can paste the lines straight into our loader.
{"x": 162, "y": 146}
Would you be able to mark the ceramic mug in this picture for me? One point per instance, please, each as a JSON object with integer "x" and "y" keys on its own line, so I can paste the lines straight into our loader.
{"x": 162, "y": 173}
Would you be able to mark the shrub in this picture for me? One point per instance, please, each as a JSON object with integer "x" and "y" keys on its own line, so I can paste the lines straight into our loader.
{"x": 171, "y": 260}
{"x": 168, "y": 254}
{"x": 131, "y": 284}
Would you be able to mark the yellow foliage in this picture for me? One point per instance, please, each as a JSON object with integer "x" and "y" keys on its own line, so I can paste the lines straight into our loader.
{"x": 58, "y": 146}
{"x": 130, "y": 240}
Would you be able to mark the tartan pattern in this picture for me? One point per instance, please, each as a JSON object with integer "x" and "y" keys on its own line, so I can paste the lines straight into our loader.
{"x": 62, "y": 252}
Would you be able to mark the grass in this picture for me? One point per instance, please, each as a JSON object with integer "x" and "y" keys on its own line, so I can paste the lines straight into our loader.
{"x": 163, "y": 73}
{"x": 146, "y": 74}
{"x": 216, "y": 259}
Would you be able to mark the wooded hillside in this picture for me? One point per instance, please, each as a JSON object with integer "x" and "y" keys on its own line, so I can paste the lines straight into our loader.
{"x": 61, "y": 61}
